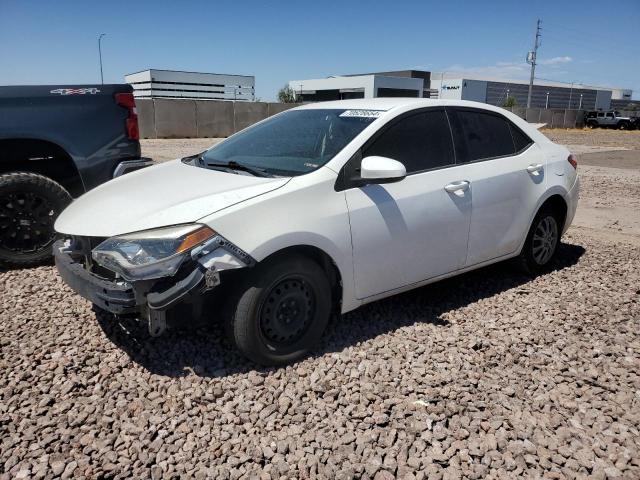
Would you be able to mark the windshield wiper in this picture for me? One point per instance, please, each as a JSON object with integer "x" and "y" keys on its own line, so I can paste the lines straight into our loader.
{"x": 233, "y": 165}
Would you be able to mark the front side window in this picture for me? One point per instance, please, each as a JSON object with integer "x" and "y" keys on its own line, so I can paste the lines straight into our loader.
{"x": 481, "y": 135}
{"x": 293, "y": 143}
{"x": 421, "y": 141}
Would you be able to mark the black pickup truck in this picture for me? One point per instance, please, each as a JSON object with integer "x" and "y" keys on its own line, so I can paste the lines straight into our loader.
{"x": 57, "y": 142}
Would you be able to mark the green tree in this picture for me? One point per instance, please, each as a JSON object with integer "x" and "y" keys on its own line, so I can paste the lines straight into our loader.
{"x": 286, "y": 95}
{"x": 510, "y": 102}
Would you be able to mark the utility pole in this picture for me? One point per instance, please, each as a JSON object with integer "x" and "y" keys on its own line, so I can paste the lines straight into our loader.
{"x": 100, "y": 55}
{"x": 531, "y": 58}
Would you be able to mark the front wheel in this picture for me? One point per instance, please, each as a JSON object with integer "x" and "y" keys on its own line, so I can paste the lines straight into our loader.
{"x": 623, "y": 126}
{"x": 280, "y": 310}
{"x": 541, "y": 245}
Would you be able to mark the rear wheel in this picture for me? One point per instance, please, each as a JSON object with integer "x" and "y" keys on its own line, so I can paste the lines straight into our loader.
{"x": 280, "y": 311}
{"x": 29, "y": 206}
{"x": 541, "y": 245}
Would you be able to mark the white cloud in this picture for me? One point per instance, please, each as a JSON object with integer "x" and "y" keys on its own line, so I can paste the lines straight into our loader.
{"x": 555, "y": 60}
{"x": 506, "y": 70}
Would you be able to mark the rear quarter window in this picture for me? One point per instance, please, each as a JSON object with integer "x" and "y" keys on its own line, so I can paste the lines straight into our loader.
{"x": 521, "y": 140}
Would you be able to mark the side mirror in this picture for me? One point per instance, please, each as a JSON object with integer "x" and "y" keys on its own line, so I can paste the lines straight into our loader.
{"x": 381, "y": 170}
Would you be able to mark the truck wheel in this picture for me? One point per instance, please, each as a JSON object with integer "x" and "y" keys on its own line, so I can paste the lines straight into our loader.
{"x": 542, "y": 242}
{"x": 280, "y": 310}
{"x": 591, "y": 125}
{"x": 29, "y": 205}
{"x": 623, "y": 126}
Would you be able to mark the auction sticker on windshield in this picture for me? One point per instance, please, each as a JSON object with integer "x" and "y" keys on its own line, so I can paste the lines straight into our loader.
{"x": 362, "y": 113}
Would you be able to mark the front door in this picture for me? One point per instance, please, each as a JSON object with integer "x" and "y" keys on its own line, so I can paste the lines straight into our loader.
{"x": 415, "y": 229}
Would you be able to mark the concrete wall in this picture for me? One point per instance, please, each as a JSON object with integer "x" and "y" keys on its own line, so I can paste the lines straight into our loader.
{"x": 146, "y": 118}
{"x": 247, "y": 114}
{"x": 274, "y": 108}
{"x": 553, "y": 117}
{"x": 164, "y": 118}
{"x": 214, "y": 119}
{"x": 175, "y": 118}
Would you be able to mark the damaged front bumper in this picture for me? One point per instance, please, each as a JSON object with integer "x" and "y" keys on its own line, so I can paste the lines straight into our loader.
{"x": 149, "y": 299}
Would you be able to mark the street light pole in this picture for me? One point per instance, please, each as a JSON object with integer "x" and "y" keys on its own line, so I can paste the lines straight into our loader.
{"x": 546, "y": 105}
{"x": 100, "y": 55}
{"x": 570, "y": 94}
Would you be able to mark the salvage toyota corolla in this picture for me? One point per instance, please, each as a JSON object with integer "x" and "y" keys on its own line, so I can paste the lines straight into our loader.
{"x": 319, "y": 209}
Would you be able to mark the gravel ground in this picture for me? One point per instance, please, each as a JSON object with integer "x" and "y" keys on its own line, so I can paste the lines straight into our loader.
{"x": 596, "y": 137}
{"x": 490, "y": 374}
{"x": 162, "y": 150}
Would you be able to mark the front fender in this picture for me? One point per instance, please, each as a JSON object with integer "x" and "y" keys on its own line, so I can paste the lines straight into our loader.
{"x": 340, "y": 257}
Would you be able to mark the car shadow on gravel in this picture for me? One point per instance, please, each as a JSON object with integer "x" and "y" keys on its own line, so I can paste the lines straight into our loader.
{"x": 204, "y": 352}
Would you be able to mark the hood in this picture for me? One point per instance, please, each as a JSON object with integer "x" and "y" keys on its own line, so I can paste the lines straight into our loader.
{"x": 166, "y": 194}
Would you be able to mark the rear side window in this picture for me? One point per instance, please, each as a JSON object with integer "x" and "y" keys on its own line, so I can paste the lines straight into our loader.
{"x": 520, "y": 139}
{"x": 480, "y": 135}
{"x": 421, "y": 142}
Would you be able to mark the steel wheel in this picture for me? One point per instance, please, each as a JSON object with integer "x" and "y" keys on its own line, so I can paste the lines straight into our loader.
{"x": 545, "y": 240}
{"x": 287, "y": 312}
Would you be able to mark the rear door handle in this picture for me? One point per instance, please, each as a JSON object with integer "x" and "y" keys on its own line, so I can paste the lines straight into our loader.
{"x": 459, "y": 186}
{"x": 535, "y": 168}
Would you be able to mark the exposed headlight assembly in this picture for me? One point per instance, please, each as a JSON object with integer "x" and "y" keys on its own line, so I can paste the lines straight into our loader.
{"x": 150, "y": 254}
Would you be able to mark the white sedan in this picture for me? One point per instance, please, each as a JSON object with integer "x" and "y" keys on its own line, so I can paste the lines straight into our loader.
{"x": 320, "y": 209}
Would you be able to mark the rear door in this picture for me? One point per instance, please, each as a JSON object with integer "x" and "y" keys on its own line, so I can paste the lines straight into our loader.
{"x": 415, "y": 229}
{"x": 506, "y": 170}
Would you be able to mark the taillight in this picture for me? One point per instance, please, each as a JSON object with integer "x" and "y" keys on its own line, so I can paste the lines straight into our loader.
{"x": 573, "y": 160}
{"x": 127, "y": 101}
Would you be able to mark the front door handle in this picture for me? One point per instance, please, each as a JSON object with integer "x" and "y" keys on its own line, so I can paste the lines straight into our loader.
{"x": 459, "y": 186}
{"x": 535, "y": 168}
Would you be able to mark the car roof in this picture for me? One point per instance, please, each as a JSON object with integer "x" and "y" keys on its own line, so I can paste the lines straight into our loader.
{"x": 388, "y": 104}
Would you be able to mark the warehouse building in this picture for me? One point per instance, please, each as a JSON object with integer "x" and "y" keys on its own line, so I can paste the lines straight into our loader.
{"x": 544, "y": 94}
{"x": 193, "y": 85}
{"x": 418, "y": 83}
{"x": 404, "y": 83}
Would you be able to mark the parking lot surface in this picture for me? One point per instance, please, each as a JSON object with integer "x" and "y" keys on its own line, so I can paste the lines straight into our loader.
{"x": 490, "y": 374}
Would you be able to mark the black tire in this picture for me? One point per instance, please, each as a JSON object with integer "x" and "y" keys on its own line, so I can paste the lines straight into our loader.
{"x": 280, "y": 310}
{"x": 623, "y": 126}
{"x": 539, "y": 249}
{"x": 29, "y": 205}
{"x": 592, "y": 125}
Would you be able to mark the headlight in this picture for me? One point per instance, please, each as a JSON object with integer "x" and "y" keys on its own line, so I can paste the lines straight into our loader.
{"x": 151, "y": 253}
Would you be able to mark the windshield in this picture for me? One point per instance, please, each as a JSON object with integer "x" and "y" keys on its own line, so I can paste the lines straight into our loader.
{"x": 292, "y": 143}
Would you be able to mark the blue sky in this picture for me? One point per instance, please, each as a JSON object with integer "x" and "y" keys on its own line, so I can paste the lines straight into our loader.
{"x": 593, "y": 42}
